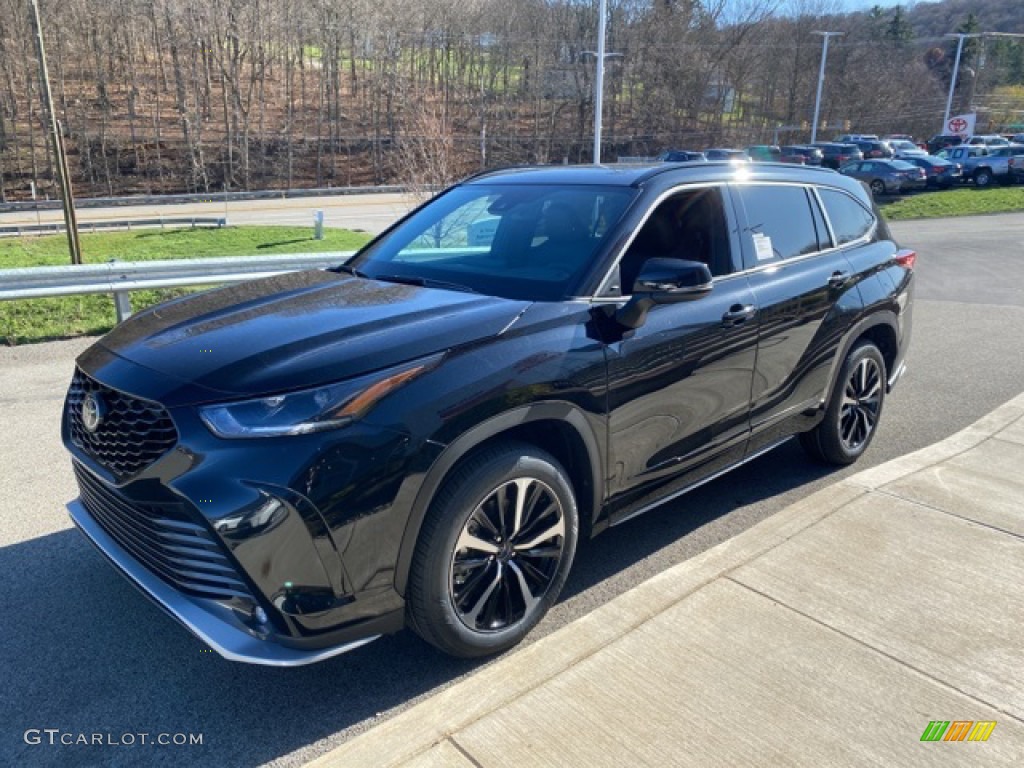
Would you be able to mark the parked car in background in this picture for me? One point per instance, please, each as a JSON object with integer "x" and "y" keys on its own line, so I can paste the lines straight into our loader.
{"x": 1017, "y": 138}
{"x": 939, "y": 173}
{"x": 764, "y": 153}
{"x": 735, "y": 155}
{"x": 769, "y": 153}
{"x": 856, "y": 138}
{"x": 903, "y": 148}
{"x": 873, "y": 149}
{"x": 837, "y": 155}
{"x": 1016, "y": 166}
{"x": 681, "y": 156}
{"x": 986, "y": 164}
{"x": 943, "y": 141}
{"x": 811, "y": 155}
{"x": 988, "y": 140}
{"x": 294, "y": 466}
{"x": 887, "y": 177}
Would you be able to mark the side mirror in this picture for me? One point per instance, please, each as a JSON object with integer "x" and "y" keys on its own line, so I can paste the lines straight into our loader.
{"x": 667, "y": 281}
{"x": 664, "y": 281}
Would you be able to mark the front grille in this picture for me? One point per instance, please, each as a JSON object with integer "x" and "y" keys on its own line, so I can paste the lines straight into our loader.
{"x": 131, "y": 434}
{"x": 158, "y": 535}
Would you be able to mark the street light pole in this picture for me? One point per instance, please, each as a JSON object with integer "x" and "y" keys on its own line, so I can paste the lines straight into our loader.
{"x": 821, "y": 78}
{"x": 599, "y": 83}
{"x": 599, "y": 78}
{"x": 956, "y": 70}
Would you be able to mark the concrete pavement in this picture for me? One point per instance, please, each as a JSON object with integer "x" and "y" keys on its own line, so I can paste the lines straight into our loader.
{"x": 832, "y": 633}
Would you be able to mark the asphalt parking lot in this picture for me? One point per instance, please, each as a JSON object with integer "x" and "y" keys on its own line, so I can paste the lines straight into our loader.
{"x": 86, "y": 654}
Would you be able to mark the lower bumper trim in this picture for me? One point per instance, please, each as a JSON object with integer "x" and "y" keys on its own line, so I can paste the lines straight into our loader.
{"x": 207, "y": 620}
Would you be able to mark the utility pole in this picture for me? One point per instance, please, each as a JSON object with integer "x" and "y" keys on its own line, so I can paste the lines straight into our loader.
{"x": 60, "y": 158}
{"x": 821, "y": 78}
{"x": 599, "y": 78}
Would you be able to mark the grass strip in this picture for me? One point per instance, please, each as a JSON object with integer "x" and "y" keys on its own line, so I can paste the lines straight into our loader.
{"x": 965, "y": 201}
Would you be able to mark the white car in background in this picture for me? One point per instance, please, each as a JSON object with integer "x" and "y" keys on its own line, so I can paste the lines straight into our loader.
{"x": 905, "y": 148}
{"x": 988, "y": 140}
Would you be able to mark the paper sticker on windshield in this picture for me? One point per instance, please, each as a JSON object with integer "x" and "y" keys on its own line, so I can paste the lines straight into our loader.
{"x": 762, "y": 246}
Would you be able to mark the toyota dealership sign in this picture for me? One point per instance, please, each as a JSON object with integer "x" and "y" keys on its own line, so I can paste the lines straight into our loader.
{"x": 961, "y": 125}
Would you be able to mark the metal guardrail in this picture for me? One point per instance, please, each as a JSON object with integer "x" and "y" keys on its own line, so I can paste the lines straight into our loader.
{"x": 92, "y": 226}
{"x": 120, "y": 278}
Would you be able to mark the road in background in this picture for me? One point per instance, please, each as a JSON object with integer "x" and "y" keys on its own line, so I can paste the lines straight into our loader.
{"x": 84, "y": 652}
{"x": 370, "y": 213}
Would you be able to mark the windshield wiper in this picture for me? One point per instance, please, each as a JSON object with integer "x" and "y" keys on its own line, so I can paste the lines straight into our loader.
{"x": 424, "y": 282}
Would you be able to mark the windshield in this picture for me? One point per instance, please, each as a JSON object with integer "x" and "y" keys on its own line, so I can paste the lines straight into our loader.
{"x": 525, "y": 242}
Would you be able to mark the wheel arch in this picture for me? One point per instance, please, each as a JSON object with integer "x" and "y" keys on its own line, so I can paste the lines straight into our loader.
{"x": 880, "y": 328}
{"x": 557, "y": 427}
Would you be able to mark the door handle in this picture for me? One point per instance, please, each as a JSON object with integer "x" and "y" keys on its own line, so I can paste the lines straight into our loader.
{"x": 838, "y": 279}
{"x": 738, "y": 314}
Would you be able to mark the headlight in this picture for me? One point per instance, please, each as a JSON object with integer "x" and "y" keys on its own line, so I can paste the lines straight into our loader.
{"x": 311, "y": 410}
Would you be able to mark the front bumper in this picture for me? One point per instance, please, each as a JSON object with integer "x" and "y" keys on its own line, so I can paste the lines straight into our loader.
{"x": 211, "y": 622}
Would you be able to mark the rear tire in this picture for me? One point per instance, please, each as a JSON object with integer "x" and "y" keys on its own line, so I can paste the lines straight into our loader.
{"x": 853, "y": 411}
{"x": 877, "y": 187}
{"x": 494, "y": 551}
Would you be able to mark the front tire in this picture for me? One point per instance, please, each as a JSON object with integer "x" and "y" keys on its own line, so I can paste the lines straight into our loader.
{"x": 983, "y": 178}
{"x": 494, "y": 551}
{"x": 878, "y": 187}
{"x": 853, "y": 411}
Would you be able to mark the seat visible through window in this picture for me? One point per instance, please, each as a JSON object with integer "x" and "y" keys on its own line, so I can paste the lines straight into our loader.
{"x": 690, "y": 226}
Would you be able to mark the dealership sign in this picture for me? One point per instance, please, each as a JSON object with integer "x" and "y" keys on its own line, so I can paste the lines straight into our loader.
{"x": 961, "y": 125}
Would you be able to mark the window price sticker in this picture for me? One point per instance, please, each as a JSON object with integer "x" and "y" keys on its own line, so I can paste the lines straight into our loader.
{"x": 762, "y": 246}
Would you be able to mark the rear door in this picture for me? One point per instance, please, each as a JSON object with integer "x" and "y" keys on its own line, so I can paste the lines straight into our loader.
{"x": 804, "y": 290}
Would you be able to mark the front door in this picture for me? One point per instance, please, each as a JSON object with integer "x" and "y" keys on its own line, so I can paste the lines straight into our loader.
{"x": 679, "y": 386}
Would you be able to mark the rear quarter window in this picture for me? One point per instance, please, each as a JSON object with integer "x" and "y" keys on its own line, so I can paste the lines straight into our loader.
{"x": 850, "y": 220}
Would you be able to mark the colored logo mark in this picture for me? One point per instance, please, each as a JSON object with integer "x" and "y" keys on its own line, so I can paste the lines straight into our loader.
{"x": 958, "y": 730}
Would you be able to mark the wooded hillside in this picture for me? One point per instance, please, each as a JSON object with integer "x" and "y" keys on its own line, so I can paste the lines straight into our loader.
{"x": 183, "y": 95}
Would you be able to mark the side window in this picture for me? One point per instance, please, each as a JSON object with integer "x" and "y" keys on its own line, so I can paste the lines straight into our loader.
{"x": 689, "y": 225}
{"x": 779, "y": 222}
{"x": 850, "y": 220}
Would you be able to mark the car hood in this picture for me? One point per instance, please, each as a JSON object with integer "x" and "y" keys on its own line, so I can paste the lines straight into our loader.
{"x": 293, "y": 331}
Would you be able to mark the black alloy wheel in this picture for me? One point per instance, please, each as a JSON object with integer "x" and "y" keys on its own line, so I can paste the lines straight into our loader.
{"x": 494, "y": 551}
{"x": 507, "y": 555}
{"x": 860, "y": 404}
{"x": 853, "y": 411}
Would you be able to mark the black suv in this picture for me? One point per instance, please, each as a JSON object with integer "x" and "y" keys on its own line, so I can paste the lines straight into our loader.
{"x": 813, "y": 155}
{"x": 295, "y": 465}
{"x": 836, "y": 156}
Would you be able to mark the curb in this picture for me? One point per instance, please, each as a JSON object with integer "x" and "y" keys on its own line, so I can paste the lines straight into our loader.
{"x": 418, "y": 729}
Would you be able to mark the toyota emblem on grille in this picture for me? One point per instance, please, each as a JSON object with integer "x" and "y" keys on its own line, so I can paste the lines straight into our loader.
{"x": 93, "y": 411}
